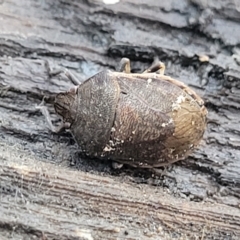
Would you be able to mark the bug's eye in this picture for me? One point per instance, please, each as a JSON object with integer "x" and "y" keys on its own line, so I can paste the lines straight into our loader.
{"x": 63, "y": 103}
{"x": 59, "y": 108}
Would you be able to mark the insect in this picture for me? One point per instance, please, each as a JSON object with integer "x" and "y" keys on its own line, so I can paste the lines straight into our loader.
{"x": 141, "y": 119}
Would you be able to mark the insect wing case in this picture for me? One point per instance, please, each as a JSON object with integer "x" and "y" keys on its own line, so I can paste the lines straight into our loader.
{"x": 157, "y": 122}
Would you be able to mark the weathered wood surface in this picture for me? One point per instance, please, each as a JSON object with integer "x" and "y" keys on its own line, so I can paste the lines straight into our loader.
{"x": 47, "y": 191}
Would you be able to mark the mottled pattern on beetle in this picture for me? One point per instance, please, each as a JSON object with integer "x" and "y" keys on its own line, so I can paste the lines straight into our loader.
{"x": 96, "y": 102}
{"x": 157, "y": 122}
{"x": 145, "y": 120}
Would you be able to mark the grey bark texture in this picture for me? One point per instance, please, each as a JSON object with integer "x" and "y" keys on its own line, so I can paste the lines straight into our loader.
{"x": 48, "y": 190}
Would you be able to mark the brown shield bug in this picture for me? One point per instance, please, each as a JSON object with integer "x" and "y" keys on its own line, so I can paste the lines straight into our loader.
{"x": 144, "y": 120}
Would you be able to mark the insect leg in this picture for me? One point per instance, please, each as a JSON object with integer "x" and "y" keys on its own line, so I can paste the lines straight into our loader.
{"x": 67, "y": 73}
{"x": 124, "y": 65}
{"x": 46, "y": 114}
{"x": 157, "y": 67}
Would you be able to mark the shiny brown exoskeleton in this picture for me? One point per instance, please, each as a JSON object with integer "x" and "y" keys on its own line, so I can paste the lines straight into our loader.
{"x": 144, "y": 120}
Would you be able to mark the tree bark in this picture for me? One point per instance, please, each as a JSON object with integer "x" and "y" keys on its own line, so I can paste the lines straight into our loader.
{"x": 47, "y": 191}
